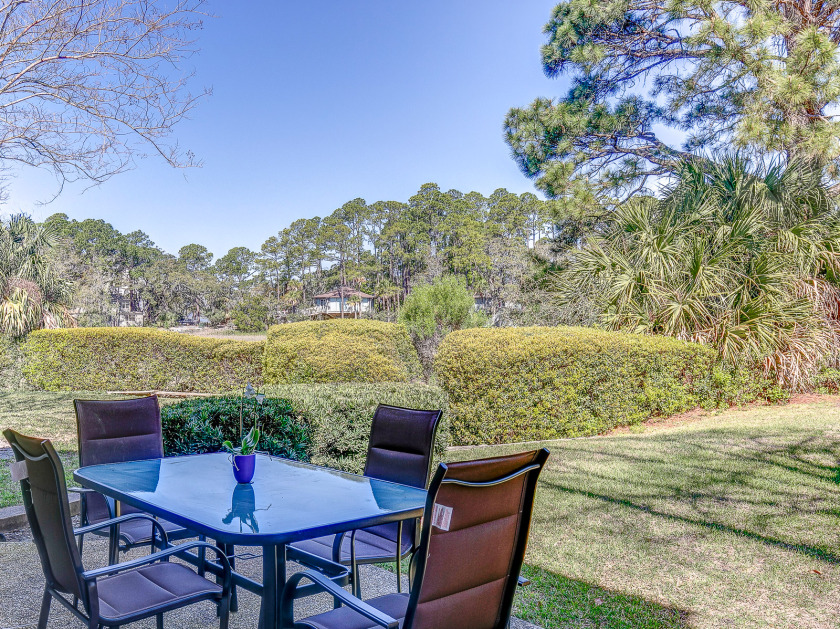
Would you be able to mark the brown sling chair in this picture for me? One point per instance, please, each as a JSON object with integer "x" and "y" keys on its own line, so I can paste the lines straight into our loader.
{"x": 117, "y": 594}
{"x": 400, "y": 451}
{"x": 466, "y": 568}
{"x": 115, "y": 431}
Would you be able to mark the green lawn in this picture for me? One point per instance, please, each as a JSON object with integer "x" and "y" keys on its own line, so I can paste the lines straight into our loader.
{"x": 728, "y": 520}
{"x": 725, "y": 521}
{"x": 41, "y": 414}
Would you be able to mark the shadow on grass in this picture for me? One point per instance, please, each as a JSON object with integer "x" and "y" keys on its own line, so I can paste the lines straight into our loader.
{"x": 763, "y": 488}
{"x": 820, "y": 553}
{"x": 554, "y": 601}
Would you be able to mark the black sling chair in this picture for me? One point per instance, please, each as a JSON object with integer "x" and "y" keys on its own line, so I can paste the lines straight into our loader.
{"x": 115, "y": 431}
{"x": 117, "y": 594}
{"x": 399, "y": 450}
{"x": 466, "y": 568}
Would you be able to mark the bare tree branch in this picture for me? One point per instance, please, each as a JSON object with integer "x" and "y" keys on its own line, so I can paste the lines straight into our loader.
{"x": 88, "y": 86}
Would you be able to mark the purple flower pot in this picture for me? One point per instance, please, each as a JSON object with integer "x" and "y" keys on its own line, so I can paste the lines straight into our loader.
{"x": 243, "y": 467}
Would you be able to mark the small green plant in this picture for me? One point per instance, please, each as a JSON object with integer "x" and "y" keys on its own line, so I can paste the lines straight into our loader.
{"x": 251, "y": 394}
{"x": 248, "y": 446}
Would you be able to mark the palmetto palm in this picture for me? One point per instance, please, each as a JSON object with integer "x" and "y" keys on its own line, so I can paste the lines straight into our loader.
{"x": 741, "y": 258}
{"x": 32, "y": 295}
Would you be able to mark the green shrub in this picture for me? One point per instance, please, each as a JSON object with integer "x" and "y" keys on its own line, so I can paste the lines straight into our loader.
{"x": 138, "y": 359}
{"x": 340, "y": 416}
{"x": 431, "y": 311}
{"x": 523, "y": 384}
{"x": 11, "y": 364}
{"x": 826, "y": 381}
{"x": 250, "y": 315}
{"x": 339, "y": 350}
{"x": 201, "y": 425}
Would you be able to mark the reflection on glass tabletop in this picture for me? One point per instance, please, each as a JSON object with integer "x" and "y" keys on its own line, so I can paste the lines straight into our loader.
{"x": 286, "y": 501}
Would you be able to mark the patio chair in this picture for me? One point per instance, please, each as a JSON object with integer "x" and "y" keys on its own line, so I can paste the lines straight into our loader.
{"x": 465, "y": 571}
{"x": 114, "y": 595}
{"x": 114, "y": 431}
{"x": 399, "y": 450}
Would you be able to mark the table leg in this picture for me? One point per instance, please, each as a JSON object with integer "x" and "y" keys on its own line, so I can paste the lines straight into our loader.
{"x": 274, "y": 578}
{"x": 114, "y": 536}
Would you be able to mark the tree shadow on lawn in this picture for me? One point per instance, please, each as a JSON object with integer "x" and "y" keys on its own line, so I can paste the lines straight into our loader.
{"x": 555, "y": 601}
{"x": 778, "y": 490}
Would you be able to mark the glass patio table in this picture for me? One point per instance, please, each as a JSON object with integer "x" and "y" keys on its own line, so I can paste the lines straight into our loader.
{"x": 287, "y": 501}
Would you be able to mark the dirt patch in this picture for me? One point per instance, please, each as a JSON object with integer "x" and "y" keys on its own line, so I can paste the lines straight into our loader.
{"x": 815, "y": 398}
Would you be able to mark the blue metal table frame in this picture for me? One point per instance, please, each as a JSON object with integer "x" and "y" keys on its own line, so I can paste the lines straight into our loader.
{"x": 287, "y": 501}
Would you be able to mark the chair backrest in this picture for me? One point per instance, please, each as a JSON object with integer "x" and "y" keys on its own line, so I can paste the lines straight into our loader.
{"x": 400, "y": 450}
{"x": 401, "y": 444}
{"x": 115, "y": 431}
{"x": 475, "y": 531}
{"x": 48, "y": 511}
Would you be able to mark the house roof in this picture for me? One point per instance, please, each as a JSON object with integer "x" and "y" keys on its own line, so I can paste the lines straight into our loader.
{"x": 348, "y": 292}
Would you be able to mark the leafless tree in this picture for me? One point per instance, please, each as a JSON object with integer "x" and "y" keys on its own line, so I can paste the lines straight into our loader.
{"x": 89, "y": 86}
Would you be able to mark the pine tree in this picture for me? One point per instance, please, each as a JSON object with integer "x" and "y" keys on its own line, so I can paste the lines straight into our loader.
{"x": 762, "y": 75}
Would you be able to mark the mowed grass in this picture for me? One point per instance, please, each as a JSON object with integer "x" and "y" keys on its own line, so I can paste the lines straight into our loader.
{"x": 728, "y": 520}
{"x": 40, "y": 414}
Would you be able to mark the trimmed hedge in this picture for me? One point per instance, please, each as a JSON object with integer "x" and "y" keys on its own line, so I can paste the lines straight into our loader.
{"x": 339, "y": 350}
{"x": 340, "y": 416}
{"x": 138, "y": 359}
{"x": 526, "y": 384}
{"x": 201, "y": 425}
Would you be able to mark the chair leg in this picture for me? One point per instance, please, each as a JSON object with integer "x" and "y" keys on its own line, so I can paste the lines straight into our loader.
{"x": 45, "y": 609}
{"x": 357, "y": 583}
{"x": 224, "y": 612}
{"x": 230, "y": 551}
{"x": 354, "y": 567}
{"x": 399, "y": 556}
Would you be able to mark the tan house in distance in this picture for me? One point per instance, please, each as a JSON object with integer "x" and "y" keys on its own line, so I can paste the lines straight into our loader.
{"x": 341, "y": 302}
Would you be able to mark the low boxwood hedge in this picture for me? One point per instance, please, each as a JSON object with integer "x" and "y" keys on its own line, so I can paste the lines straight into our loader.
{"x": 340, "y": 416}
{"x": 522, "y": 384}
{"x": 340, "y": 350}
{"x": 201, "y": 425}
{"x": 327, "y": 424}
{"x": 138, "y": 359}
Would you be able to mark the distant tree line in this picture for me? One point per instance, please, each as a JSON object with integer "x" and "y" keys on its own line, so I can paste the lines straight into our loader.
{"x": 383, "y": 248}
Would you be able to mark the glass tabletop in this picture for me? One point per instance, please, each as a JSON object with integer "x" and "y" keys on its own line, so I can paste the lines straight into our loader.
{"x": 287, "y": 500}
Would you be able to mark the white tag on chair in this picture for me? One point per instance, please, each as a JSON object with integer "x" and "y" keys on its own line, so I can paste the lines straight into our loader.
{"x": 441, "y": 517}
{"x": 19, "y": 471}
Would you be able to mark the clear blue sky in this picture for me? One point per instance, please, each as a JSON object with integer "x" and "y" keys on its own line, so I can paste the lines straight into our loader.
{"x": 318, "y": 102}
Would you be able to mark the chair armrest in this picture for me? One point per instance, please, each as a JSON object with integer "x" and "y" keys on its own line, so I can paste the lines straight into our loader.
{"x": 92, "y": 575}
{"x": 338, "y": 540}
{"x": 81, "y": 490}
{"x": 131, "y": 516}
{"x": 331, "y": 568}
{"x": 339, "y": 593}
{"x": 522, "y": 581}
